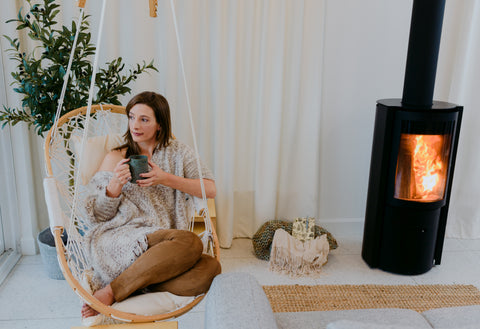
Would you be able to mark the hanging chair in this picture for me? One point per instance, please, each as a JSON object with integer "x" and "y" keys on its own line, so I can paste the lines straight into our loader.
{"x": 74, "y": 148}
{"x": 65, "y": 165}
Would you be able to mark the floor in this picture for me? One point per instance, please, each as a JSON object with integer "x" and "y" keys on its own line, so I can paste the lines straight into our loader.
{"x": 30, "y": 300}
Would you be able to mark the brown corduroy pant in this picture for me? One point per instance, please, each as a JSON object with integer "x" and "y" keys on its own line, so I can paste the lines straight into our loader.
{"x": 173, "y": 262}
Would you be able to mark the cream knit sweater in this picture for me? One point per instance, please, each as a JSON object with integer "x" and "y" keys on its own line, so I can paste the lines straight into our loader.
{"x": 120, "y": 225}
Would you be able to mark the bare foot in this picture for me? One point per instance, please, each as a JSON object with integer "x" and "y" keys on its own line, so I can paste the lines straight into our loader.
{"x": 87, "y": 311}
{"x": 104, "y": 295}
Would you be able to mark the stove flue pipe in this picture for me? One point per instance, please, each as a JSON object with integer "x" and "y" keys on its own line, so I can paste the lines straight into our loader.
{"x": 422, "y": 56}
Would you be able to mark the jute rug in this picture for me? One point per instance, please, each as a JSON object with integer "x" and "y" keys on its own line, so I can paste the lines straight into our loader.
{"x": 299, "y": 298}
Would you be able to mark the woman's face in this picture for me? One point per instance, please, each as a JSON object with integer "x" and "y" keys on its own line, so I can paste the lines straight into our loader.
{"x": 142, "y": 123}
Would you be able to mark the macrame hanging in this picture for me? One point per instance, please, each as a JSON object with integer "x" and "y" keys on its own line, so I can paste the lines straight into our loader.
{"x": 74, "y": 147}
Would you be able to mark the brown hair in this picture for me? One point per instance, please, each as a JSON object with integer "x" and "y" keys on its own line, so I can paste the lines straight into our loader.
{"x": 161, "y": 109}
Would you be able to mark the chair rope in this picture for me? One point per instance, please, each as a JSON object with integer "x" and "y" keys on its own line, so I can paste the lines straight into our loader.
{"x": 89, "y": 106}
{"x": 67, "y": 75}
{"x": 206, "y": 215}
{"x": 187, "y": 96}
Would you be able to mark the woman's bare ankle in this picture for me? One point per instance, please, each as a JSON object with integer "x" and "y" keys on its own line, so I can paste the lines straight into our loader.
{"x": 105, "y": 295}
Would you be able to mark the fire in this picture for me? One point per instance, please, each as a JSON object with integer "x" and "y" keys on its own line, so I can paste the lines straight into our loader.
{"x": 427, "y": 165}
{"x": 421, "y": 168}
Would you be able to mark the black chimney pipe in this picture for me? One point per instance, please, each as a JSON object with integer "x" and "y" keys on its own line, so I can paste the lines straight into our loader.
{"x": 422, "y": 56}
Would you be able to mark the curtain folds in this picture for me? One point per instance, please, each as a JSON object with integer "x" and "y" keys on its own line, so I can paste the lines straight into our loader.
{"x": 283, "y": 95}
{"x": 464, "y": 213}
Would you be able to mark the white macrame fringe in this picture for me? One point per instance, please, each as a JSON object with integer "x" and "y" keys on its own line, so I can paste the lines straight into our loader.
{"x": 99, "y": 319}
{"x": 296, "y": 258}
{"x": 207, "y": 241}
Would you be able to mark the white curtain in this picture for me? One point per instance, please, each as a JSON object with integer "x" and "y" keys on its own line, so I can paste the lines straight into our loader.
{"x": 283, "y": 94}
{"x": 19, "y": 209}
{"x": 460, "y": 79}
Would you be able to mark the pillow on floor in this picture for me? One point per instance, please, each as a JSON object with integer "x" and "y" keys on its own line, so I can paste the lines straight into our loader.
{"x": 263, "y": 238}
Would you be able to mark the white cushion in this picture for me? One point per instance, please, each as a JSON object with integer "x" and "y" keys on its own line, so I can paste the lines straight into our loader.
{"x": 145, "y": 304}
{"x": 450, "y": 317}
{"x": 95, "y": 150}
{"x": 348, "y": 324}
{"x": 236, "y": 300}
{"x": 153, "y": 303}
{"x": 472, "y": 326}
{"x": 379, "y": 316}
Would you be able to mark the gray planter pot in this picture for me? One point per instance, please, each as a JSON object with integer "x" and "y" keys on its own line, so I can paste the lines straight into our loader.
{"x": 46, "y": 244}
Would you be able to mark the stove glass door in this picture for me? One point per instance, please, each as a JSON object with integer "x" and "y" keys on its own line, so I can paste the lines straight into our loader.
{"x": 422, "y": 167}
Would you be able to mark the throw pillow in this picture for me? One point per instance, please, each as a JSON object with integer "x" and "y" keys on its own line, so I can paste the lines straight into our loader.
{"x": 95, "y": 150}
{"x": 263, "y": 238}
{"x": 294, "y": 257}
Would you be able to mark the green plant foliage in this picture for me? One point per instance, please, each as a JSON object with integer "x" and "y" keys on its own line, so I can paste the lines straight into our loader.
{"x": 39, "y": 74}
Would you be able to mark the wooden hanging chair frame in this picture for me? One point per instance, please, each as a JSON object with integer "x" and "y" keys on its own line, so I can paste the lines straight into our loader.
{"x": 61, "y": 249}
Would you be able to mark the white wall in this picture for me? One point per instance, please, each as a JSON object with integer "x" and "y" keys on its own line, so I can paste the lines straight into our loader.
{"x": 365, "y": 54}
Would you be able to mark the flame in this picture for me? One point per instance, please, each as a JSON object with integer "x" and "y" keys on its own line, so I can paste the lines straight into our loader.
{"x": 422, "y": 167}
{"x": 428, "y": 167}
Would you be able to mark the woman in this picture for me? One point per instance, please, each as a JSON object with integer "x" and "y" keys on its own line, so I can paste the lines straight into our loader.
{"x": 139, "y": 239}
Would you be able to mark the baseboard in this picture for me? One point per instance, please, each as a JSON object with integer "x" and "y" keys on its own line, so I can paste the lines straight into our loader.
{"x": 7, "y": 261}
{"x": 342, "y": 226}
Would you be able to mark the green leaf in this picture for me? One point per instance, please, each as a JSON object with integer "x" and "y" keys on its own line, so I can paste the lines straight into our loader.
{"x": 62, "y": 71}
{"x": 39, "y": 80}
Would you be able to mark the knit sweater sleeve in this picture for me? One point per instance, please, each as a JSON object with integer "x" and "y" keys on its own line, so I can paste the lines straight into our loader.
{"x": 99, "y": 206}
{"x": 189, "y": 164}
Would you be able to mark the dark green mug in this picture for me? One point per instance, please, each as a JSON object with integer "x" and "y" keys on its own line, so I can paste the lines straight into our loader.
{"x": 138, "y": 165}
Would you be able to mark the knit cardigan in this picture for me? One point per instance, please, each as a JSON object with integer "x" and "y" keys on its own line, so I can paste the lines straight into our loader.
{"x": 119, "y": 226}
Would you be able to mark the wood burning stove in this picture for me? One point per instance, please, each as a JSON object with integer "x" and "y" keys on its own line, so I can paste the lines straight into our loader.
{"x": 413, "y": 157}
{"x": 411, "y": 171}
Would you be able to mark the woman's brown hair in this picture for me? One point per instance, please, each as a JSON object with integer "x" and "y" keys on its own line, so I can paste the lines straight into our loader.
{"x": 161, "y": 109}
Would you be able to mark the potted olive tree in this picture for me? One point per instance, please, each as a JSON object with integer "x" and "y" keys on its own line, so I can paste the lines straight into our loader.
{"x": 40, "y": 73}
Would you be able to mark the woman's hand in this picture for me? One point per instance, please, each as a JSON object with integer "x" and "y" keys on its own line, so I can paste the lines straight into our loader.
{"x": 122, "y": 171}
{"x": 155, "y": 176}
{"x": 121, "y": 175}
